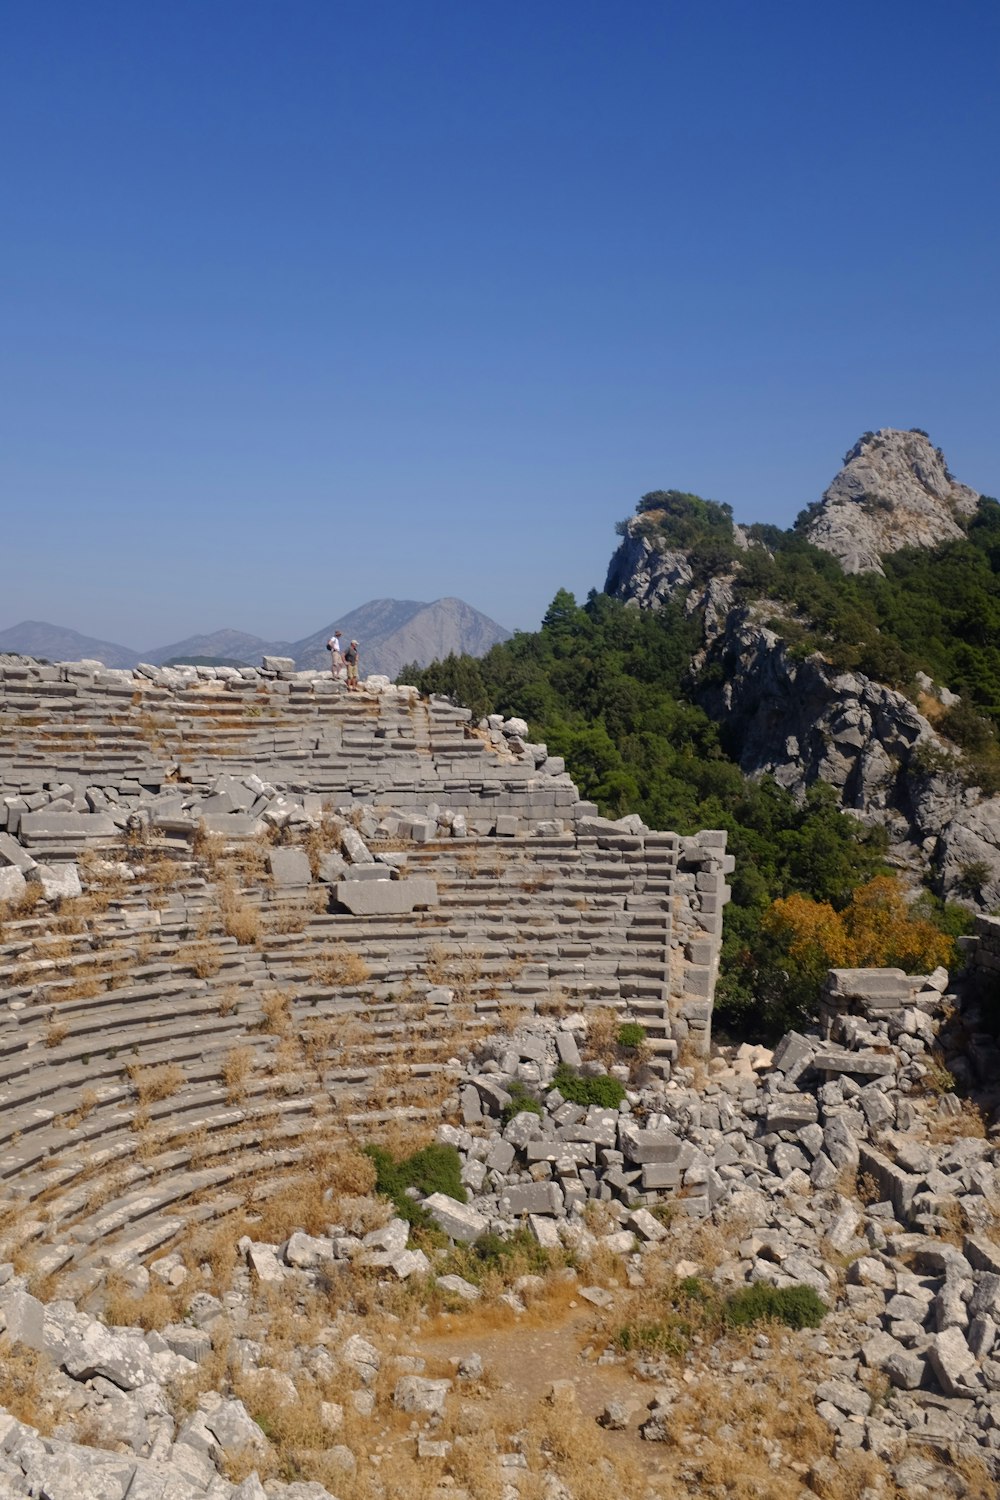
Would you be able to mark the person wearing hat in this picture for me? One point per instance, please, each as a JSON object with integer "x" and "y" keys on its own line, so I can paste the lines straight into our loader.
{"x": 336, "y": 655}
{"x": 351, "y": 662}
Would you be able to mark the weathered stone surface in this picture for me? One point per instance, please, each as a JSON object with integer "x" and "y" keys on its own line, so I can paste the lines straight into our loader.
{"x": 950, "y": 1358}
{"x": 289, "y": 867}
{"x": 12, "y": 883}
{"x": 921, "y": 504}
{"x": 791, "y": 1112}
{"x": 414, "y": 1393}
{"x": 307, "y": 1251}
{"x": 369, "y": 898}
{"x": 532, "y": 1198}
{"x": 122, "y": 1357}
{"x": 58, "y": 882}
{"x": 457, "y": 1220}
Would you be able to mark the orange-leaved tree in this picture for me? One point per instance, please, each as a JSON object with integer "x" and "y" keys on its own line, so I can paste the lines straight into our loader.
{"x": 876, "y": 929}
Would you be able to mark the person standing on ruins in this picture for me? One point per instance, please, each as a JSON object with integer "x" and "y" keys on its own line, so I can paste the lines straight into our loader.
{"x": 336, "y": 655}
{"x": 351, "y": 658}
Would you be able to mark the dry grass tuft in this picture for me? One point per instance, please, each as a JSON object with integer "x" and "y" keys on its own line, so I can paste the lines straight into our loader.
{"x": 25, "y": 903}
{"x": 241, "y": 921}
{"x": 229, "y": 1000}
{"x": 86, "y": 1104}
{"x": 125, "y": 1308}
{"x": 276, "y": 1012}
{"x": 56, "y": 1032}
{"x": 970, "y": 1121}
{"x": 340, "y": 968}
{"x": 156, "y": 1081}
{"x": 24, "y": 1377}
{"x": 237, "y": 1069}
{"x": 203, "y": 958}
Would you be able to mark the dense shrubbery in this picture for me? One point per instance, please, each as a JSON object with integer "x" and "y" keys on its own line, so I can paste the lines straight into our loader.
{"x": 607, "y": 688}
{"x": 434, "y": 1169}
{"x": 795, "y": 1306}
{"x": 580, "y": 1088}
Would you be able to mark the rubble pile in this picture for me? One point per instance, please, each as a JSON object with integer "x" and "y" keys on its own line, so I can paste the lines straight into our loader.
{"x": 774, "y": 1143}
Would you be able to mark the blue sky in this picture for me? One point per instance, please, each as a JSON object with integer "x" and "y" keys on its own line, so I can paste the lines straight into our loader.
{"x": 308, "y": 303}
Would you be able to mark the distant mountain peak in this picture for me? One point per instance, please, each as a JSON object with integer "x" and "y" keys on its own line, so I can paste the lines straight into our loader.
{"x": 391, "y": 633}
{"x": 38, "y": 638}
{"x": 895, "y": 490}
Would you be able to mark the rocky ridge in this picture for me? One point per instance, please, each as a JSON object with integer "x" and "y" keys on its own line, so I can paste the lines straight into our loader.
{"x": 801, "y": 720}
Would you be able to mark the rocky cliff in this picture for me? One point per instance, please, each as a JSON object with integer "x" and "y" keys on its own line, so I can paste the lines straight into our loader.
{"x": 795, "y": 716}
{"x": 894, "y": 491}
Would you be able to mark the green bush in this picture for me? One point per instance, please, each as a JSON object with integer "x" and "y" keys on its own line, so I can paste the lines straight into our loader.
{"x": 604, "y": 1091}
{"x": 521, "y": 1102}
{"x": 796, "y": 1306}
{"x": 631, "y": 1034}
{"x": 433, "y": 1169}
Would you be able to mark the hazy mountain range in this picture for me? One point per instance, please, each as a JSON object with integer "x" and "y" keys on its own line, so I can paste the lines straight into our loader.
{"x": 390, "y": 633}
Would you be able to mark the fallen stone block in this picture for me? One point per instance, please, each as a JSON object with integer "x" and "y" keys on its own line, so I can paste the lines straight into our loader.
{"x": 64, "y": 827}
{"x": 982, "y": 1253}
{"x": 791, "y": 1112}
{"x": 567, "y": 1048}
{"x": 642, "y": 1146}
{"x": 524, "y": 1127}
{"x": 459, "y": 1287}
{"x": 532, "y": 1198}
{"x": 896, "y": 1187}
{"x": 264, "y": 1264}
{"x": 659, "y": 1176}
{"x": 355, "y": 848}
{"x": 124, "y": 1358}
{"x": 457, "y": 1220}
{"x": 58, "y": 882}
{"x": 838, "y": 1060}
{"x": 414, "y": 1393}
{"x": 545, "y": 1231}
{"x": 950, "y": 1358}
{"x": 332, "y": 867}
{"x": 11, "y": 853}
{"x": 371, "y": 898}
{"x": 12, "y": 883}
{"x": 882, "y": 989}
{"x": 307, "y": 1251}
{"x": 231, "y": 825}
{"x": 494, "y": 1097}
{"x": 410, "y": 1263}
{"x": 362, "y": 1357}
{"x": 289, "y": 867}
{"x": 985, "y": 1299}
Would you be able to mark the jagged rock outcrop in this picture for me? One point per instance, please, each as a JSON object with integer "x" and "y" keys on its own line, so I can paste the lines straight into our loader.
{"x": 894, "y": 491}
{"x": 643, "y": 573}
{"x": 801, "y": 720}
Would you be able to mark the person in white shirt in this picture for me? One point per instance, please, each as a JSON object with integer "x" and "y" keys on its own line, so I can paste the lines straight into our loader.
{"x": 336, "y": 655}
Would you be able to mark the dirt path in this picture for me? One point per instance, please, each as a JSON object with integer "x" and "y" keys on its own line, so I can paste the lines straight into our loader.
{"x": 547, "y": 1344}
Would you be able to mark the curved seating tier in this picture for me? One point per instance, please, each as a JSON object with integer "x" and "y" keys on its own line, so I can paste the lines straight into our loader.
{"x": 161, "y": 1063}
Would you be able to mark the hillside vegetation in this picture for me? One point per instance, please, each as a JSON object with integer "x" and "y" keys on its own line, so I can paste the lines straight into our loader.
{"x": 612, "y": 689}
